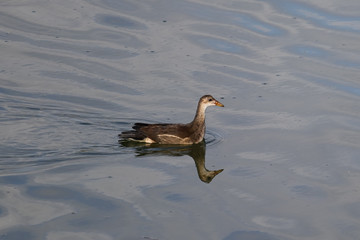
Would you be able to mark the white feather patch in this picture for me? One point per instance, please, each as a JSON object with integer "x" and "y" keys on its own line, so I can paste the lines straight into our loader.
{"x": 172, "y": 139}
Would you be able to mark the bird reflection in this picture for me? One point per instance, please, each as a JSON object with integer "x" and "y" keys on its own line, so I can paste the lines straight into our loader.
{"x": 196, "y": 151}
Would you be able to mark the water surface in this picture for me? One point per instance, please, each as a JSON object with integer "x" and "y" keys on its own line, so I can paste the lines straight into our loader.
{"x": 75, "y": 74}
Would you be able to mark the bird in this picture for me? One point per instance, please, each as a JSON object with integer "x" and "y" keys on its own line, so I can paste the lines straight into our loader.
{"x": 173, "y": 133}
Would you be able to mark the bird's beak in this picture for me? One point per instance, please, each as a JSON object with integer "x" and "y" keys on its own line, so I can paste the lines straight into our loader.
{"x": 217, "y": 103}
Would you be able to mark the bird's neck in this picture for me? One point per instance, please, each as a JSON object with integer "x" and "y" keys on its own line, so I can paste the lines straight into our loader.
{"x": 199, "y": 120}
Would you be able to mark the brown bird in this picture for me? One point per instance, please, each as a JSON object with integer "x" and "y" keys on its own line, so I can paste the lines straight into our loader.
{"x": 169, "y": 133}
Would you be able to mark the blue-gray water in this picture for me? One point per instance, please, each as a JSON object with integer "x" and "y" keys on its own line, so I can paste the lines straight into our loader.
{"x": 73, "y": 74}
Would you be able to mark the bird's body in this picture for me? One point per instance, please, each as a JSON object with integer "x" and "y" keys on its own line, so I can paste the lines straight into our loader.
{"x": 168, "y": 133}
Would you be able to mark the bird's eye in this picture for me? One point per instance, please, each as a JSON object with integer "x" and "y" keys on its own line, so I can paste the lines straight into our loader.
{"x": 210, "y": 99}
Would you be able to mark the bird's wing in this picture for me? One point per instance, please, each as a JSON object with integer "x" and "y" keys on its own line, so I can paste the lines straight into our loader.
{"x": 164, "y": 132}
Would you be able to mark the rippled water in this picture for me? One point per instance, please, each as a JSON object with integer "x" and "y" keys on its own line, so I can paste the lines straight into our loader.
{"x": 75, "y": 74}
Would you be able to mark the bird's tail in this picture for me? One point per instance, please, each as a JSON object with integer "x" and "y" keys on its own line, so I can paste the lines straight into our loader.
{"x": 132, "y": 135}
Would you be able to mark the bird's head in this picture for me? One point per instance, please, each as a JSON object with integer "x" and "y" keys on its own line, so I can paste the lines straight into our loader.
{"x": 208, "y": 100}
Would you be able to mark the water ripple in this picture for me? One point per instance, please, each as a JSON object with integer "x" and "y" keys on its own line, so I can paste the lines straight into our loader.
{"x": 91, "y": 81}
{"x": 320, "y": 17}
{"x": 309, "y": 51}
{"x": 118, "y": 21}
{"x": 217, "y": 44}
{"x": 226, "y": 16}
{"x": 115, "y": 5}
{"x": 39, "y": 133}
{"x": 87, "y": 66}
{"x": 117, "y": 37}
{"x": 85, "y": 49}
{"x": 85, "y": 101}
{"x": 332, "y": 84}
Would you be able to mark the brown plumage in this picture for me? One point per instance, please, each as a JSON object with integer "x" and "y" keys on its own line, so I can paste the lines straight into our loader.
{"x": 168, "y": 133}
